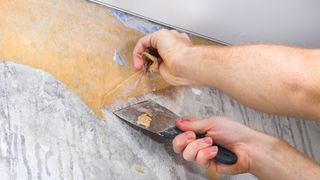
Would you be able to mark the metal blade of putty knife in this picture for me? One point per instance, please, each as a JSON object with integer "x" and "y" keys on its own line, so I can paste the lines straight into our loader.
{"x": 162, "y": 118}
{"x": 162, "y": 122}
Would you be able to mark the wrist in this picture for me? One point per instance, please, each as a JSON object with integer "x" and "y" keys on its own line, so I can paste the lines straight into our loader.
{"x": 196, "y": 65}
{"x": 263, "y": 157}
{"x": 273, "y": 158}
{"x": 207, "y": 66}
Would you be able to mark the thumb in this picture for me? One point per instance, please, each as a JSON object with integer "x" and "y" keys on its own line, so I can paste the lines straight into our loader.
{"x": 200, "y": 126}
{"x": 166, "y": 75}
{"x": 170, "y": 78}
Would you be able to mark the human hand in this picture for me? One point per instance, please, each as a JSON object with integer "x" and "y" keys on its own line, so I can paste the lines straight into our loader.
{"x": 263, "y": 155}
{"x": 231, "y": 135}
{"x": 173, "y": 48}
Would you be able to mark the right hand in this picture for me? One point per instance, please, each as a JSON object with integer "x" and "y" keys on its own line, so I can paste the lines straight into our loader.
{"x": 263, "y": 155}
{"x": 234, "y": 136}
{"x": 173, "y": 48}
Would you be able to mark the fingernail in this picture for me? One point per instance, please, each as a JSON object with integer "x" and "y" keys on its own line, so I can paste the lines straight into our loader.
{"x": 207, "y": 140}
{"x": 183, "y": 120}
{"x": 213, "y": 150}
{"x": 190, "y": 135}
{"x": 178, "y": 120}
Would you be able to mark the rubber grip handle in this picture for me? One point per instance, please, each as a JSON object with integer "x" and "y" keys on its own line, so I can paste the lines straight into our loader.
{"x": 223, "y": 156}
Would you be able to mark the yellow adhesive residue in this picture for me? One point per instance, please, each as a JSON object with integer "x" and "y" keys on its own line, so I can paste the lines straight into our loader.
{"x": 139, "y": 169}
{"x": 144, "y": 120}
{"x": 151, "y": 61}
{"x": 75, "y": 41}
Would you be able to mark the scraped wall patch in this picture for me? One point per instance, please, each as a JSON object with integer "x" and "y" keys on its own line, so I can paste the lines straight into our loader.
{"x": 119, "y": 59}
{"x": 144, "y": 26}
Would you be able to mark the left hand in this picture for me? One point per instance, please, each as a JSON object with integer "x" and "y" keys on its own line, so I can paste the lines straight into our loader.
{"x": 177, "y": 68}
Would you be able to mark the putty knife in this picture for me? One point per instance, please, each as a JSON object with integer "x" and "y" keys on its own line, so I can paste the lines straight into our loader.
{"x": 163, "y": 124}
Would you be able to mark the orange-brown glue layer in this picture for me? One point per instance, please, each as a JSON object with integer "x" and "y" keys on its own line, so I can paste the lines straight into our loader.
{"x": 74, "y": 41}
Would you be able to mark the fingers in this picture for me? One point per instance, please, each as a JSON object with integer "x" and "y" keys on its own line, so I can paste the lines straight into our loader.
{"x": 182, "y": 140}
{"x": 143, "y": 44}
{"x": 146, "y": 42}
{"x": 166, "y": 75}
{"x": 199, "y": 150}
{"x": 222, "y": 131}
{"x": 192, "y": 149}
{"x": 184, "y": 35}
{"x": 205, "y": 156}
{"x": 152, "y": 41}
{"x": 196, "y": 125}
{"x": 171, "y": 79}
{"x": 202, "y": 152}
{"x": 205, "y": 159}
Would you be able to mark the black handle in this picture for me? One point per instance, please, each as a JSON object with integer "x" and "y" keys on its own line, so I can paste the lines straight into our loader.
{"x": 224, "y": 156}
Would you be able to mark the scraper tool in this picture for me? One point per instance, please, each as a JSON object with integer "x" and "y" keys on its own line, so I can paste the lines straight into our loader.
{"x": 162, "y": 123}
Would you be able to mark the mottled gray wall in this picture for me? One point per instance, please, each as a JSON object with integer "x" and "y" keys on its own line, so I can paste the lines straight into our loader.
{"x": 46, "y": 132}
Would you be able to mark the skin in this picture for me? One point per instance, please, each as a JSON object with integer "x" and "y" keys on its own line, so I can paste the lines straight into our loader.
{"x": 258, "y": 153}
{"x": 273, "y": 79}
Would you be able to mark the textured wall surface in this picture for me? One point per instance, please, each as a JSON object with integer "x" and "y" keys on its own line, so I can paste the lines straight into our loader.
{"x": 46, "y": 132}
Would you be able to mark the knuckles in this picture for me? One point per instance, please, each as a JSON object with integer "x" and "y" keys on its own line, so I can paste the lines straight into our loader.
{"x": 190, "y": 151}
{"x": 187, "y": 156}
{"x": 179, "y": 144}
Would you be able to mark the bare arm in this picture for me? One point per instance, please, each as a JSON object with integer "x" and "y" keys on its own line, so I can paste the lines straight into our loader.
{"x": 274, "y": 79}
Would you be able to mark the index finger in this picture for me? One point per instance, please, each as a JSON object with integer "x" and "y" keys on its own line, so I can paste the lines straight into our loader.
{"x": 142, "y": 45}
{"x": 182, "y": 140}
{"x": 147, "y": 42}
{"x": 200, "y": 126}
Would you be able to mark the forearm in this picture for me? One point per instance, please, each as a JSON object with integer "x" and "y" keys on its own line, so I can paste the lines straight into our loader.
{"x": 275, "y": 159}
{"x": 273, "y": 79}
